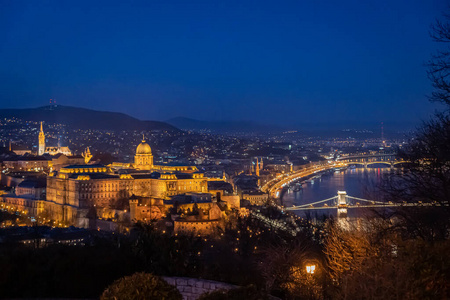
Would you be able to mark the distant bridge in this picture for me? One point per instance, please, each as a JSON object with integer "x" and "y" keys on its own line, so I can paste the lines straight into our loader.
{"x": 274, "y": 186}
{"x": 367, "y": 160}
{"x": 342, "y": 202}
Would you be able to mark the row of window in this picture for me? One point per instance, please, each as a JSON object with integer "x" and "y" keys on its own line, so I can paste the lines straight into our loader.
{"x": 97, "y": 196}
{"x": 103, "y": 190}
{"x": 101, "y": 185}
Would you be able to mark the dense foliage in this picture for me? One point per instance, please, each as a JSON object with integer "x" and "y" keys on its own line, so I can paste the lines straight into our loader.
{"x": 235, "y": 255}
{"x": 247, "y": 293}
{"x": 377, "y": 261}
{"x": 141, "y": 286}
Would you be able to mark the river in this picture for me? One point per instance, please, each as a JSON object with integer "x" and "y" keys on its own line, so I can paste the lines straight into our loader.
{"x": 357, "y": 182}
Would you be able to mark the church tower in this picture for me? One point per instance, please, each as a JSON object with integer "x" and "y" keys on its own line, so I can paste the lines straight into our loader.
{"x": 257, "y": 167}
{"x": 41, "y": 141}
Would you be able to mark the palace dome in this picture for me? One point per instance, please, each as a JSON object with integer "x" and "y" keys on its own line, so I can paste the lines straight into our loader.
{"x": 143, "y": 148}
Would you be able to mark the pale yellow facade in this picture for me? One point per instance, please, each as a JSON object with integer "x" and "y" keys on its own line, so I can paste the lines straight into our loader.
{"x": 73, "y": 191}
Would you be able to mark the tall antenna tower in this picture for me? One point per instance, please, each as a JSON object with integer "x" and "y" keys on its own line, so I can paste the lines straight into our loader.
{"x": 382, "y": 134}
{"x": 52, "y": 104}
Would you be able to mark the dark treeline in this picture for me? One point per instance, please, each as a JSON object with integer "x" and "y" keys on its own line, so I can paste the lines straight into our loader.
{"x": 377, "y": 259}
{"x": 236, "y": 255}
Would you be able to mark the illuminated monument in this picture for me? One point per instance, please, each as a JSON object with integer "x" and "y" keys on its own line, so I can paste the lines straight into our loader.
{"x": 143, "y": 160}
{"x": 79, "y": 194}
{"x": 41, "y": 141}
{"x": 50, "y": 150}
{"x": 74, "y": 190}
{"x": 87, "y": 155}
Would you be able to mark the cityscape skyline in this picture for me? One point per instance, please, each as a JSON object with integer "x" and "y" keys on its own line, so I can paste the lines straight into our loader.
{"x": 234, "y": 61}
{"x": 205, "y": 150}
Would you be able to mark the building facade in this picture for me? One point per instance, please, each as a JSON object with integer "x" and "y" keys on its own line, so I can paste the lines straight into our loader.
{"x": 74, "y": 190}
{"x": 80, "y": 193}
{"x": 42, "y": 149}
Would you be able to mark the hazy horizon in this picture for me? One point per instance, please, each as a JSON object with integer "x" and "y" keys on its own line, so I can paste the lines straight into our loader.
{"x": 305, "y": 126}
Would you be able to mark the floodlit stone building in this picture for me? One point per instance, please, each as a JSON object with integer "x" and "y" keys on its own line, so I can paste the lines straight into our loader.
{"x": 76, "y": 194}
{"x": 75, "y": 189}
{"x": 42, "y": 149}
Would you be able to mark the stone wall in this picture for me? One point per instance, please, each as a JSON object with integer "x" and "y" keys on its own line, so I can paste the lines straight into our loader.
{"x": 192, "y": 288}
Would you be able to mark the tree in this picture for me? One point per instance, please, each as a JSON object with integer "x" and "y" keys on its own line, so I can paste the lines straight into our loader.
{"x": 122, "y": 202}
{"x": 166, "y": 254}
{"x": 141, "y": 286}
{"x": 344, "y": 250}
{"x": 284, "y": 270}
{"x": 426, "y": 178}
{"x": 92, "y": 217}
{"x": 195, "y": 210}
{"x": 405, "y": 257}
{"x": 378, "y": 263}
{"x": 439, "y": 64}
{"x": 5, "y": 216}
{"x": 248, "y": 293}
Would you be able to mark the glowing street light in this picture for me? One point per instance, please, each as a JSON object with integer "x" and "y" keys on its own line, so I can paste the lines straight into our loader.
{"x": 310, "y": 269}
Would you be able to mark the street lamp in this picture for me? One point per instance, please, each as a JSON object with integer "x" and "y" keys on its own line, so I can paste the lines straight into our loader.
{"x": 310, "y": 269}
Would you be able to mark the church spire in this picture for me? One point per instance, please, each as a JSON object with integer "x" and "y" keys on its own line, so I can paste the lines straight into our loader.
{"x": 41, "y": 148}
{"x": 257, "y": 167}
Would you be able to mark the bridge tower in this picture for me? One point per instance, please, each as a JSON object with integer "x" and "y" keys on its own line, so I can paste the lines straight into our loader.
{"x": 342, "y": 204}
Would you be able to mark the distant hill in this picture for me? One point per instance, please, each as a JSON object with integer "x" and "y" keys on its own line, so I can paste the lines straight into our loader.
{"x": 222, "y": 126}
{"x": 317, "y": 129}
{"x": 83, "y": 118}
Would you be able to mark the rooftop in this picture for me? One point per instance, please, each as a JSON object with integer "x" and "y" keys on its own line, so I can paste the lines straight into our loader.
{"x": 85, "y": 166}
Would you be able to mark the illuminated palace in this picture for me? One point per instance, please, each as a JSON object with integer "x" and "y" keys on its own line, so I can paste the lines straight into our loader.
{"x": 75, "y": 189}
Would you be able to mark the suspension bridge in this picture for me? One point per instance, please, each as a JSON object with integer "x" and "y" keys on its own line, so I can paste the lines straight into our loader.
{"x": 342, "y": 202}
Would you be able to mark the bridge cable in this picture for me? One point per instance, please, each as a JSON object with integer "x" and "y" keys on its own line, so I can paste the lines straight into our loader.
{"x": 309, "y": 204}
{"x": 366, "y": 200}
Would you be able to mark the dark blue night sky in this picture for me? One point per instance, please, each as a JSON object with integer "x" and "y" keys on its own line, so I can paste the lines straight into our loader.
{"x": 269, "y": 61}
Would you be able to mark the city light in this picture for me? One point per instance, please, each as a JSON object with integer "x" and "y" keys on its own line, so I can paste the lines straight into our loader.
{"x": 235, "y": 158}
